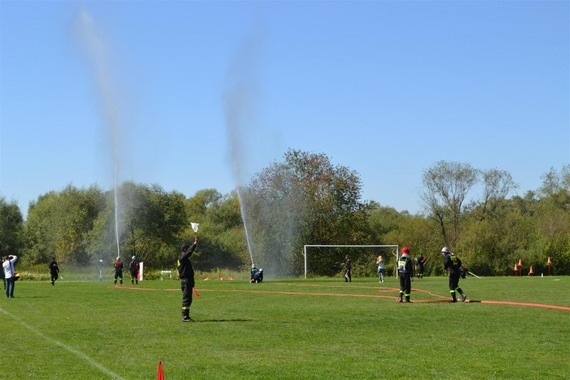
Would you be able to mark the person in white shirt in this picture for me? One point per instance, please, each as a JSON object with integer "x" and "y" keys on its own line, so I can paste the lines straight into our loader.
{"x": 9, "y": 271}
{"x": 381, "y": 269}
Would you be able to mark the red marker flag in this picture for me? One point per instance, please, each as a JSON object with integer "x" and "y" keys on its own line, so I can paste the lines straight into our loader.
{"x": 160, "y": 373}
{"x": 195, "y": 292}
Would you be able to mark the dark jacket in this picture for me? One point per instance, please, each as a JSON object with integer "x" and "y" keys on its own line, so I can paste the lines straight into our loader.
{"x": 453, "y": 264}
{"x": 53, "y": 268}
{"x": 185, "y": 269}
{"x": 405, "y": 267}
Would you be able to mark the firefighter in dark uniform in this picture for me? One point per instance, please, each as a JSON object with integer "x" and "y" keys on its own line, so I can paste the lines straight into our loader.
{"x": 453, "y": 264}
{"x": 134, "y": 270}
{"x": 405, "y": 273}
{"x": 186, "y": 274}
{"x": 118, "y": 270}
{"x": 53, "y": 271}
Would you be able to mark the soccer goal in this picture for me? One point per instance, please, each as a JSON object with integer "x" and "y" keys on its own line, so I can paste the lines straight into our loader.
{"x": 305, "y": 247}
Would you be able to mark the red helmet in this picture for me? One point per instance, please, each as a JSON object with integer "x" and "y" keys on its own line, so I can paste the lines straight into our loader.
{"x": 405, "y": 251}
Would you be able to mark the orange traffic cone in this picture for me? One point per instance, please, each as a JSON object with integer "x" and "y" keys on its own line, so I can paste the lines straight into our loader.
{"x": 160, "y": 372}
{"x": 531, "y": 272}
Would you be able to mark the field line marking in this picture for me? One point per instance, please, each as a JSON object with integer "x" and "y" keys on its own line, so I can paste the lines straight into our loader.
{"x": 527, "y": 304}
{"x": 440, "y": 299}
{"x": 72, "y": 350}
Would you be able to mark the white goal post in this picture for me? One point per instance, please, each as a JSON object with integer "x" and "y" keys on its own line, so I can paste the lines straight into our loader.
{"x": 347, "y": 246}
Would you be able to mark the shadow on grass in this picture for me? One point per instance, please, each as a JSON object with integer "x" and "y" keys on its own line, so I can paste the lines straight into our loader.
{"x": 223, "y": 320}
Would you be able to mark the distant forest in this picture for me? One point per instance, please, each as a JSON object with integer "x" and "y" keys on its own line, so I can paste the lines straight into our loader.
{"x": 302, "y": 200}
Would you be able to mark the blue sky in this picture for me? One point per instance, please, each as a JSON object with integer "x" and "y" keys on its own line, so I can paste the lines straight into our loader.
{"x": 194, "y": 95}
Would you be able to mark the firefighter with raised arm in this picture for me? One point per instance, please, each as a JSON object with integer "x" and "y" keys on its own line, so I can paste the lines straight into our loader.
{"x": 186, "y": 274}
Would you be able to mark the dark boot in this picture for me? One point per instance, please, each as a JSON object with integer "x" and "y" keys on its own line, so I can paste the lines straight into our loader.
{"x": 186, "y": 316}
{"x": 453, "y": 297}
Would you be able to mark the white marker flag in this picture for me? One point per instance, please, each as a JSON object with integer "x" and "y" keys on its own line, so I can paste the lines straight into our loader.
{"x": 195, "y": 226}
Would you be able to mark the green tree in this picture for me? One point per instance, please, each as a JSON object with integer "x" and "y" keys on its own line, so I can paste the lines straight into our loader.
{"x": 304, "y": 200}
{"x": 222, "y": 241}
{"x": 148, "y": 221}
{"x": 446, "y": 185}
{"x": 11, "y": 226}
{"x": 59, "y": 224}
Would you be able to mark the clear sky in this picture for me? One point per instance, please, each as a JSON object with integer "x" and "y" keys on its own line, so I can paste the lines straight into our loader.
{"x": 192, "y": 95}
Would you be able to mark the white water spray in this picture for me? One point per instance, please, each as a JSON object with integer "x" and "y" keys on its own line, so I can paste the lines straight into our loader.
{"x": 244, "y": 219}
{"x": 239, "y": 107}
{"x": 96, "y": 51}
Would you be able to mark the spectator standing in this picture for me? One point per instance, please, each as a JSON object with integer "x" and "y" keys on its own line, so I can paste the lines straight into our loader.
{"x": 347, "y": 269}
{"x": 9, "y": 274}
{"x": 381, "y": 269}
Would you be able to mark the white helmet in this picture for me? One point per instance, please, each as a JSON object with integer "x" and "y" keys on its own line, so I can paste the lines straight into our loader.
{"x": 134, "y": 257}
{"x": 445, "y": 250}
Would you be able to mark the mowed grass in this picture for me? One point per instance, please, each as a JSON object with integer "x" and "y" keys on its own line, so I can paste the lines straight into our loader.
{"x": 288, "y": 329}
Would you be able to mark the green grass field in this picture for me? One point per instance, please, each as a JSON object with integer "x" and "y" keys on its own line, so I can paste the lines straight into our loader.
{"x": 288, "y": 329}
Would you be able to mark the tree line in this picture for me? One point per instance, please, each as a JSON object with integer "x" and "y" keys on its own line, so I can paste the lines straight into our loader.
{"x": 304, "y": 199}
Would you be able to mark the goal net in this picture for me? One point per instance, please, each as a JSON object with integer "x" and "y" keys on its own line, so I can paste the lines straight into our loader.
{"x": 389, "y": 251}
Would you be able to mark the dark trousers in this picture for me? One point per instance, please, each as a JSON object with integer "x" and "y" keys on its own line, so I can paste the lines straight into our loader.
{"x": 186, "y": 286}
{"x": 405, "y": 285}
{"x": 118, "y": 275}
{"x": 10, "y": 284}
{"x": 54, "y": 276}
{"x": 454, "y": 285}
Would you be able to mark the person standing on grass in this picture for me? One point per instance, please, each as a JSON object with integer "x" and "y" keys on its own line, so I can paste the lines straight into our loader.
{"x": 3, "y": 275}
{"x": 421, "y": 260}
{"x": 405, "y": 273}
{"x": 381, "y": 269}
{"x": 9, "y": 272}
{"x": 118, "y": 270}
{"x": 347, "y": 269}
{"x": 134, "y": 270}
{"x": 186, "y": 274}
{"x": 53, "y": 271}
{"x": 453, "y": 264}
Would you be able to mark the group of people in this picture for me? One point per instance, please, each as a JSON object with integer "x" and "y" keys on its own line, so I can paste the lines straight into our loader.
{"x": 406, "y": 270}
{"x": 133, "y": 270}
{"x": 451, "y": 263}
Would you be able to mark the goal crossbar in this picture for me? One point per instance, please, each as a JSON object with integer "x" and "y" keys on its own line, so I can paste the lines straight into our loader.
{"x": 347, "y": 246}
